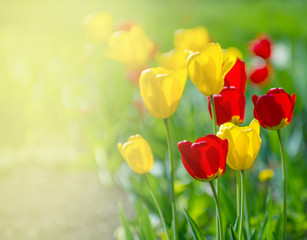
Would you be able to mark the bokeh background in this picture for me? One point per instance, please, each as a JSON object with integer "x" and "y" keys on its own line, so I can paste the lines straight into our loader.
{"x": 64, "y": 107}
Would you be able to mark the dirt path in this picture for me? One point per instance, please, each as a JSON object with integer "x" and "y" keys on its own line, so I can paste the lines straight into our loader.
{"x": 39, "y": 202}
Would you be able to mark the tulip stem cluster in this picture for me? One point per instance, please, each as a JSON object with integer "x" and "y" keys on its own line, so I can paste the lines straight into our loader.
{"x": 284, "y": 182}
{"x": 242, "y": 206}
{"x": 157, "y": 205}
{"x": 172, "y": 177}
{"x": 218, "y": 209}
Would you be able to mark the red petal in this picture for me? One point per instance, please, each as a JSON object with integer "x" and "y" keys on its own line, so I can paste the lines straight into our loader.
{"x": 236, "y": 76}
{"x": 228, "y": 103}
{"x": 268, "y": 111}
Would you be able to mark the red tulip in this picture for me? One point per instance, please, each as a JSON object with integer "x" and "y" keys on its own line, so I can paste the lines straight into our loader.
{"x": 205, "y": 159}
{"x": 275, "y": 109}
{"x": 260, "y": 75}
{"x": 261, "y": 46}
{"x": 236, "y": 76}
{"x": 229, "y": 106}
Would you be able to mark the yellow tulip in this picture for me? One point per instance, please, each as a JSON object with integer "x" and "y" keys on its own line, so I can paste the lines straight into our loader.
{"x": 193, "y": 39}
{"x": 133, "y": 48}
{"x": 208, "y": 68}
{"x": 173, "y": 59}
{"x": 99, "y": 26}
{"x": 265, "y": 175}
{"x": 161, "y": 90}
{"x": 244, "y": 144}
{"x": 137, "y": 153}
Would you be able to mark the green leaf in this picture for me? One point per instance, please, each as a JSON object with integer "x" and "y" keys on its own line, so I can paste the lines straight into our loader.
{"x": 195, "y": 229}
{"x": 263, "y": 227}
{"x": 277, "y": 231}
{"x": 268, "y": 205}
{"x": 266, "y": 228}
{"x": 233, "y": 234}
{"x": 267, "y": 233}
{"x": 253, "y": 235}
{"x": 146, "y": 230}
{"x": 128, "y": 233}
{"x": 236, "y": 226}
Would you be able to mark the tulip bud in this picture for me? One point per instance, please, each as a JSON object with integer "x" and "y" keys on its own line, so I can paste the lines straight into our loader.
{"x": 132, "y": 47}
{"x": 261, "y": 46}
{"x": 265, "y": 175}
{"x": 193, "y": 39}
{"x": 161, "y": 90}
{"x": 205, "y": 160}
{"x": 137, "y": 153}
{"x": 99, "y": 26}
{"x": 229, "y": 106}
{"x": 274, "y": 110}
{"x": 259, "y": 75}
{"x": 244, "y": 144}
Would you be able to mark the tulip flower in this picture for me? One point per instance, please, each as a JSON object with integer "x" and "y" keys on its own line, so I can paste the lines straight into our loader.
{"x": 244, "y": 144}
{"x": 205, "y": 159}
{"x": 172, "y": 60}
{"x": 259, "y": 74}
{"x": 99, "y": 26}
{"x": 193, "y": 39}
{"x": 208, "y": 68}
{"x": 161, "y": 90}
{"x": 229, "y": 106}
{"x": 131, "y": 47}
{"x": 261, "y": 46}
{"x": 275, "y": 109}
{"x": 236, "y": 76}
{"x": 265, "y": 175}
{"x": 137, "y": 153}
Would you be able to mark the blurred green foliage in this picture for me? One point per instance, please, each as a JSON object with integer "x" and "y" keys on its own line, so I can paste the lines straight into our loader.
{"x": 57, "y": 87}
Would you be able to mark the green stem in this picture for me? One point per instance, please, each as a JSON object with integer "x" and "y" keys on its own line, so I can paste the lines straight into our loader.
{"x": 238, "y": 194}
{"x": 157, "y": 205}
{"x": 218, "y": 208}
{"x": 242, "y": 206}
{"x": 284, "y": 182}
{"x": 218, "y": 231}
{"x": 172, "y": 178}
{"x": 213, "y": 115}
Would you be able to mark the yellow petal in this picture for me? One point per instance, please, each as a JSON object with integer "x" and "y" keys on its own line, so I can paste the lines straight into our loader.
{"x": 255, "y": 125}
{"x": 132, "y": 48}
{"x": 205, "y": 69}
{"x": 193, "y": 39}
{"x": 172, "y": 60}
{"x": 228, "y": 62}
{"x": 234, "y": 51}
{"x": 244, "y": 144}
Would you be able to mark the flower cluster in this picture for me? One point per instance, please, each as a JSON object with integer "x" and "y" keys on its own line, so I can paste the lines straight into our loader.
{"x": 220, "y": 75}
